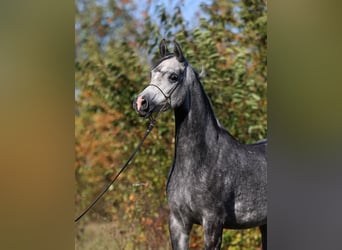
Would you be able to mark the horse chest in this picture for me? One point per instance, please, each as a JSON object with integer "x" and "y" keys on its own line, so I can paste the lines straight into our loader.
{"x": 184, "y": 201}
{"x": 193, "y": 195}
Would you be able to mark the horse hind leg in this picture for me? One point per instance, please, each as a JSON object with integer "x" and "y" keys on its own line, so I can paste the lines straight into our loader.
{"x": 263, "y": 230}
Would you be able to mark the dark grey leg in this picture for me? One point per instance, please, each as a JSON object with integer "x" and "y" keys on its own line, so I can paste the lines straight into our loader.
{"x": 212, "y": 235}
{"x": 263, "y": 230}
{"x": 179, "y": 231}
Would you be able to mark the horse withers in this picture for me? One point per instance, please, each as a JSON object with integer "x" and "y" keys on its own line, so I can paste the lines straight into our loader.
{"x": 214, "y": 181}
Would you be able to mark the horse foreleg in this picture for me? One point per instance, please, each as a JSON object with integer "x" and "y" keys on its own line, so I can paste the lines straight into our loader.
{"x": 179, "y": 232}
{"x": 212, "y": 235}
{"x": 263, "y": 230}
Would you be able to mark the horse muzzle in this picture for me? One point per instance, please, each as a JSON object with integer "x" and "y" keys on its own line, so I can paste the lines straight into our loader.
{"x": 142, "y": 107}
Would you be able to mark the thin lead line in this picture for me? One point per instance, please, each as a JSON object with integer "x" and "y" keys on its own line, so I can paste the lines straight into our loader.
{"x": 148, "y": 131}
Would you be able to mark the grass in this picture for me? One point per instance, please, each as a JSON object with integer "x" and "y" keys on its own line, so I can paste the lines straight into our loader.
{"x": 112, "y": 236}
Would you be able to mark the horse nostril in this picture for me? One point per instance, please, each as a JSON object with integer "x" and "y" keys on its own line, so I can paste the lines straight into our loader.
{"x": 142, "y": 104}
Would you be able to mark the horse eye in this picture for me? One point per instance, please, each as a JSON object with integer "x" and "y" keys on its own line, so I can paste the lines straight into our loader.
{"x": 173, "y": 77}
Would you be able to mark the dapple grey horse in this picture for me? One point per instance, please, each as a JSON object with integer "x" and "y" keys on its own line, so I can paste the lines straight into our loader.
{"x": 214, "y": 181}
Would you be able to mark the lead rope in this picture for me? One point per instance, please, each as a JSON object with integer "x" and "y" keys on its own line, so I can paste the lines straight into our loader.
{"x": 148, "y": 131}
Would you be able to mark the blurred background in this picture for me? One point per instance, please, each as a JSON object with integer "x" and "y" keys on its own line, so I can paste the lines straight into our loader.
{"x": 116, "y": 43}
{"x": 38, "y": 112}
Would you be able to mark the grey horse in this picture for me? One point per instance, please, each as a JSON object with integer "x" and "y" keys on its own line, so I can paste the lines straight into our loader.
{"x": 214, "y": 181}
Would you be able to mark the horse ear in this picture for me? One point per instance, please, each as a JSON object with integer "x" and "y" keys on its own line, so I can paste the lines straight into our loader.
{"x": 163, "y": 50}
{"x": 178, "y": 52}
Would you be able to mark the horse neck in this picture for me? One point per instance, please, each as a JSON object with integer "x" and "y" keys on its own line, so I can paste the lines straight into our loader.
{"x": 195, "y": 119}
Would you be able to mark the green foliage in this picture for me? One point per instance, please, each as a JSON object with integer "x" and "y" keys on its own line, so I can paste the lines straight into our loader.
{"x": 114, "y": 51}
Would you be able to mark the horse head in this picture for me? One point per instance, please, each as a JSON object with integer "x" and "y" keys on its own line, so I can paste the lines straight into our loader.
{"x": 167, "y": 89}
